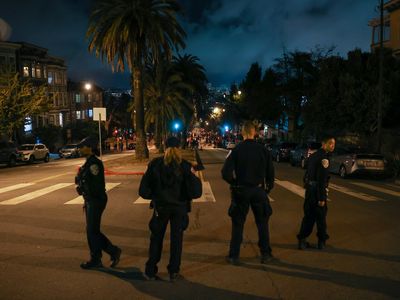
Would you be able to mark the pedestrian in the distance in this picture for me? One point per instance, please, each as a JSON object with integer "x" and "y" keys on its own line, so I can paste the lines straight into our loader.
{"x": 250, "y": 172}
{"x": 164, "y": 184}
{"x": 316, "y": 180}
{"x": 91, "y": 185}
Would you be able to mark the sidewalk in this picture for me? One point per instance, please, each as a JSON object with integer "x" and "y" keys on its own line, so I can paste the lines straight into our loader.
{"x": 130, "y": 166}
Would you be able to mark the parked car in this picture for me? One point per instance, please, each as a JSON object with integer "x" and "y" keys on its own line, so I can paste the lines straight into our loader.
{"x": 32, "y": 152}
{"x": 281, "y": 151}
{"x": 131, "y": 146}
{"x": 347, "y": 161}
{"x": 69, "y": 150}
{"x": 300, "y": 154}
{"x": 8, "y": 153}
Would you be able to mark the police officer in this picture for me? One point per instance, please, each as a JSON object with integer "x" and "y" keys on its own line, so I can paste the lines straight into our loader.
{"x": 249, "y": 171}
{"x": 91, "y": 185}
{"x": 316, "y": 181}
{"x": 164, "y": 183}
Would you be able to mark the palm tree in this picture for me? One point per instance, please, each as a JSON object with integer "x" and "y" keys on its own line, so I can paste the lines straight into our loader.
{"x": 193, "y": 74}
{"x": 126, "y": 32}
{"x": 165, "y": 98}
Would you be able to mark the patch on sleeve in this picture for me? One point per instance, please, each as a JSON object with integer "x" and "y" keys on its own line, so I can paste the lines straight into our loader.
{"x": 94, "y": 169}
{"x": 325, "y": 163}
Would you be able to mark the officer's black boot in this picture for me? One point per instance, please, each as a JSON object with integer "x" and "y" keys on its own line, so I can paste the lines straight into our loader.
{"x": 115, "y": 257}
{"x": 321, "y": 245}
{"x": 266, "y": 258}
{"x": 92, "y": 264}
{"x": 303, "y": 244}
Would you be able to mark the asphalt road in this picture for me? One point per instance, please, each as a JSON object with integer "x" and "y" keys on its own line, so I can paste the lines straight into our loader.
{"x": 42, "y": 240}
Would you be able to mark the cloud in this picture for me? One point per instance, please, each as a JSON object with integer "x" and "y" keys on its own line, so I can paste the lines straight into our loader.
{"x": 227, "y": 35}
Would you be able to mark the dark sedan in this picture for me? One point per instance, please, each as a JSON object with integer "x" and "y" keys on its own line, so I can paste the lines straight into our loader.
{"x": 281, "y": 151}
{"x": 299, "y": 155}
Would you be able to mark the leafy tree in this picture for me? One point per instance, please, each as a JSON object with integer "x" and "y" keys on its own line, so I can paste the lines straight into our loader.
{"x": 18, "y": 100}
{"x": 126, "y": 32}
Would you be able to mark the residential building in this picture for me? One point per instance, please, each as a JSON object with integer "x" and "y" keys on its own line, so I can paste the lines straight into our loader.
{"x": 34, "y": 63}
{"x": 391, "y": 29}
{"x": 83, "y": 97}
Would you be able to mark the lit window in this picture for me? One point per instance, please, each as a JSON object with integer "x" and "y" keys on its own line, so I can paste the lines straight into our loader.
{"x": 33, "y": 71}
{"x": 26, "y": 71}
{"x": 44, "y": 72}
{"x": 78, "y": 115}
{"x": 38, "y": 72}
{"x": 50, "y": 78}
{"x": 90, "y": 113}
{"x": 61, "y": 119}
{"x": 77, "y": 98}
{"x": 83, "y": 114}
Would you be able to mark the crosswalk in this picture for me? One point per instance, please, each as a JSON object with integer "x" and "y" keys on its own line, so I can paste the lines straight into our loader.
{"x": 31, "y": 191}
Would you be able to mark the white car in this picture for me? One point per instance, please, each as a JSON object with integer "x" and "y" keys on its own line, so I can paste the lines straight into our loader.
{"x": 32, "y": 152}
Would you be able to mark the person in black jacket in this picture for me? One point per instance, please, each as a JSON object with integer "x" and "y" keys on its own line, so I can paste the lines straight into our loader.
{"x": 249, "y": 170}
{"x": 316, "y": 180}
{"x": 164, "y": 183}
{"x": 91, "y": 185}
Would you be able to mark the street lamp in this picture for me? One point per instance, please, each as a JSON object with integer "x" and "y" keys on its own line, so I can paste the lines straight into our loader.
{"x": 88, "y": 86}
{"x": 239, "y": 92}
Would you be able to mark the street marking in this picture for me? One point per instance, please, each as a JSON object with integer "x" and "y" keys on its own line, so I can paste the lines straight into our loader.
{"x": 35, "y": 194}
{"x": 294, "y": 188}
{"x": 207, "y": 195}
{"x": 52, "y": 177}
{"x": 377, "y": 188}
{"x": 393, "y": 185}
{"x": 15, "y": 187}
{"x": 79, "y": 199}
{"x": 358, "y": 195}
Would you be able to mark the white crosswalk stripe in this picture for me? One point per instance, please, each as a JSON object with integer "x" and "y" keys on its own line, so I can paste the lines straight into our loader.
{"x": 377, "y": 188}
{"x": 207, "y": 195}
{"x": 15, "y": 187}
{"x": 352, "y": 193}
{"x": 298, "y": 190}
{"x": 79, "y": 200}
{"x": 35, "y": 194}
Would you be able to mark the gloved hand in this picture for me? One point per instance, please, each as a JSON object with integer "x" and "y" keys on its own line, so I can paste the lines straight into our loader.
{"x": 78, "y": 190}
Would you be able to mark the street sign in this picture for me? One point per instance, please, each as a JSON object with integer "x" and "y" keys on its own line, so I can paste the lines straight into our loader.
{"x": 99, "y": 114}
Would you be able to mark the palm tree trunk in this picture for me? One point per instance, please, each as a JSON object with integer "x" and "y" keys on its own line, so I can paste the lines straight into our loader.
{"x": 141, "y": 151}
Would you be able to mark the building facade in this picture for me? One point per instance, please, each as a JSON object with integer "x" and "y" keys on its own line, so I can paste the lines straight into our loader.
{"x": 83, "y": 97}
{"x": 391, "y": 29}
{"x": 35, "y": 64}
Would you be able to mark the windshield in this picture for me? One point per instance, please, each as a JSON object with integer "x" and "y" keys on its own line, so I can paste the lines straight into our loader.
{"x": 26, "y": 147}
{"x": 72, "y": 146}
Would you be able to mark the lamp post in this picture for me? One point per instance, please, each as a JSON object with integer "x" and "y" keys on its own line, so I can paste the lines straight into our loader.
{"x": 380, "y": 99}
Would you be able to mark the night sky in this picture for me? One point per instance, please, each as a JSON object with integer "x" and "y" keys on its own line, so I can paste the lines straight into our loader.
{"x": 227, "y": 35}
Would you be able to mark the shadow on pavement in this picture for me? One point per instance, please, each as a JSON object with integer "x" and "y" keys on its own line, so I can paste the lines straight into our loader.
{"x": 181, "y": 289}
{"x": 381, "y": 285}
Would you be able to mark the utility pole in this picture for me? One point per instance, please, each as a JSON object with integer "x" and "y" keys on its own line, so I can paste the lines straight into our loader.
{"x": 381, "y": 57}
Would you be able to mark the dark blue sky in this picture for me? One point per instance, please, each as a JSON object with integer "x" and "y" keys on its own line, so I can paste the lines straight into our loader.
{"x": 227, "y": 35}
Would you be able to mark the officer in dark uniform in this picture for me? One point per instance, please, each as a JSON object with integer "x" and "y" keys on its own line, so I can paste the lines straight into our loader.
{"x": 91, "y": 185}
{"x": 164, "y": 183}
{"x": 250, "y": 172}
{"x": 316, "y": 181}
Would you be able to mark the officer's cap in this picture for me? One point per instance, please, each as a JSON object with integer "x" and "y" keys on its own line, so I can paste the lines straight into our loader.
{"x": 89, "y": 141}
{"x": 172, "y": 142}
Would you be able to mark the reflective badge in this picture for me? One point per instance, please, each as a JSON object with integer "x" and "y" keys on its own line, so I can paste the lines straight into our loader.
{"x": 325, "y": 163}
{"x": 94, "y": 169}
